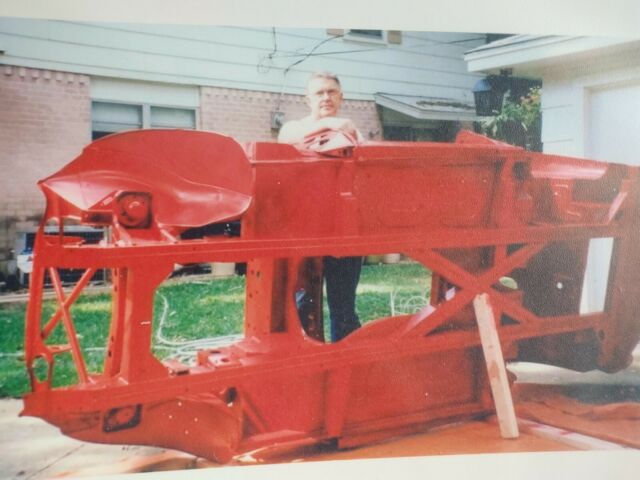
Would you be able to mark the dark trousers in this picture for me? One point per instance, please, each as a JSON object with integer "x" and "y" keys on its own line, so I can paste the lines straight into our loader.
{"x": 342, "y": 276}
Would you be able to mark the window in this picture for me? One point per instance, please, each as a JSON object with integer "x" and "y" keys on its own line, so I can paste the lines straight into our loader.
{"x": 165, "y": 117}
{"x": 492, "y": 37}
{"x": 108, "y": 118}
{"x": 438, "y": 131}
{"x": 368, "y": 34}
{"x": 362, "y": 35}
{"x": 111, "y": 117}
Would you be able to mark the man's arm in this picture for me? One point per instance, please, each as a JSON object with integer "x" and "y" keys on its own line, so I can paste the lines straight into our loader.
{"x": 295, "y": 131}
{"x": 291, "y": 132}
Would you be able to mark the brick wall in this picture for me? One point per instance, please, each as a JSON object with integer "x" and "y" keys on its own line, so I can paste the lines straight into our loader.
{"x": 45, "y": 122}
{"x": 246, "y": 115}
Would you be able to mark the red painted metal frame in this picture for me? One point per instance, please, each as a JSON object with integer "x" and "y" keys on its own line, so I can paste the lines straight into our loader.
{"x": 472, "y": 212}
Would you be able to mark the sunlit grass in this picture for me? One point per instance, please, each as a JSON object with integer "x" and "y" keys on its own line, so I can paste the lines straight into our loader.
{"x": 186, "y": 312}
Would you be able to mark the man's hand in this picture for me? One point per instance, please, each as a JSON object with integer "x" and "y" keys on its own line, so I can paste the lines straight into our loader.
{"x": 335, "y": 123}
{"x": 297, "y": 131}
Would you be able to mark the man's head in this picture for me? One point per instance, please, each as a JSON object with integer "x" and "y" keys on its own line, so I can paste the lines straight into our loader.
{"x": 324, "y": 95}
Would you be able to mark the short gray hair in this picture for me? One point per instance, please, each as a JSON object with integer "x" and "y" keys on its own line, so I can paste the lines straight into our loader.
{"x": 324, "y": 74}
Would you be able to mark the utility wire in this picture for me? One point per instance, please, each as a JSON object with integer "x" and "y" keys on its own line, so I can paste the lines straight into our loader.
{"x": 372, "y": 49}
{"x": 269, "y": 56}
{"x": 185, "y": 351}
{"x": 297, "y": 62}
{"x": 312, "y": 53}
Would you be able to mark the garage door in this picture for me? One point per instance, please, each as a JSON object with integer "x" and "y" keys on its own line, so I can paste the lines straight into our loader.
{"x": 613, "y": 124}
{"x": 612, "y": 134}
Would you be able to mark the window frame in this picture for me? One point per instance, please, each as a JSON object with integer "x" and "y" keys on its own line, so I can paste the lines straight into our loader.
{"x": 388, "y": 37}
{"x": 145, "y": 115}
{"x": 363, "y": 38}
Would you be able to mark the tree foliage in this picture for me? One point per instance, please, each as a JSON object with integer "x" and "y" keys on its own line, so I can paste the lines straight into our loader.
{"x": 518, "y": 122}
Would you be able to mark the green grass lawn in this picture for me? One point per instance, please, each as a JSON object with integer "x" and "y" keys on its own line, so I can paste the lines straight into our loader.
{"x": 189, "y": 315}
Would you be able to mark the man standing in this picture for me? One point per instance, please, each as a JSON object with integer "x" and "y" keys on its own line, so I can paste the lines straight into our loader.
{"x": 324, "y": 96}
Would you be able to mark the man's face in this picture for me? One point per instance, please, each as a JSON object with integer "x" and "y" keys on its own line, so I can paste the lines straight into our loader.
{"x": 323, "y": 97}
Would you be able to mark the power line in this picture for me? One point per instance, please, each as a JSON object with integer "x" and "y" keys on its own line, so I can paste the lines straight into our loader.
{"x": 310, "y": 53}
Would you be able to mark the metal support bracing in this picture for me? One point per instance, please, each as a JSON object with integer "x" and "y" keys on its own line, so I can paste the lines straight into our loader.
{"x": 472, "y": 212}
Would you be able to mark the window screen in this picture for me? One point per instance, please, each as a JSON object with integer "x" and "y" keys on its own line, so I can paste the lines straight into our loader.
{"x": 165, "y": 117}
{"x": 108, "y": 118}
{"x": 111, "y": 117}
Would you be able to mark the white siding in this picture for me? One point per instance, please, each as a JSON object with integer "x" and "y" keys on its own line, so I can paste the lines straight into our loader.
{"x": 428, "y": 64}
{"x": 562, "y": 118}
{"x": 582, "y": 106}
{"x": 590, "y": 108}
{"x": 593, "y": 111}
{"x": 613, "y": 123}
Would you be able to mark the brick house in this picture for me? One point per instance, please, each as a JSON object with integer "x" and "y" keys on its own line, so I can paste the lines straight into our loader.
{"x": 64, "y": 83}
